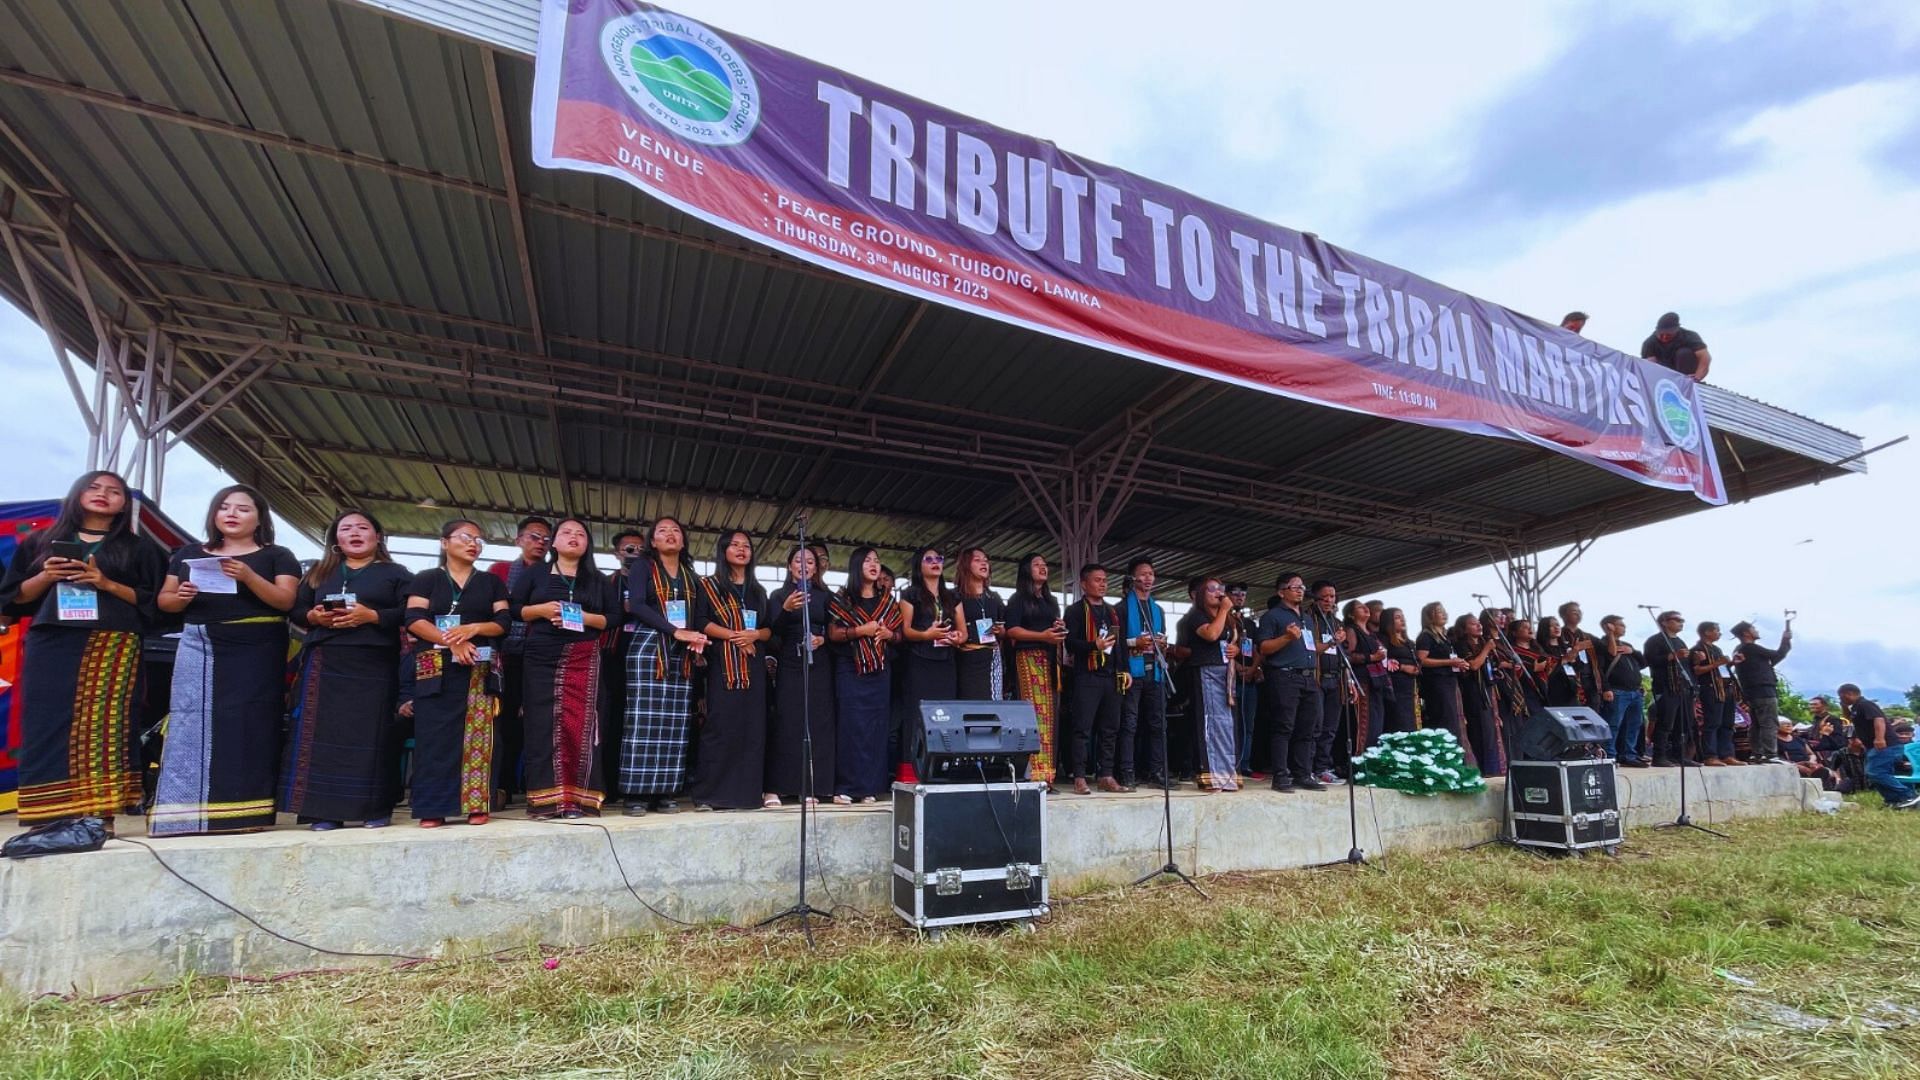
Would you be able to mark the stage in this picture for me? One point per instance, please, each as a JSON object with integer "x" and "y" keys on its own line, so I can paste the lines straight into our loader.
{"x": 114, "y": 919}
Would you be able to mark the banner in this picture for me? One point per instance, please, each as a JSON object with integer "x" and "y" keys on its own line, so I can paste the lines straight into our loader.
{"x": 846, "y": 174}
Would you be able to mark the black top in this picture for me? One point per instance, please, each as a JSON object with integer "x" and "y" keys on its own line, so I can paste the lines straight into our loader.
{"x": 1361, "y": 645}
{"x": 145, "y": 576}
{"x": 544, "y": 585}
{"x": 1203, "y": 653}
{"x": 987, "y": 605}
{"x": 926, "y": 611}
{"x": 1403, "y": 654}
{"x": 1718, "y": 679}
{"x": 1755, "y": 664}
{"x": 864, "y": 608}
{"x": 1437, "y": 647}
{"x": 1081, "y": 647}
{"x": 476, "y": 597}
{"x": 1869, "y": 723}
{"x": 1667, "y": 658}
{"x": 1669, "y": 354}
{"x": 269, "y": 562}
{"x": 381, "y": 586}
{"x": 787, "y": 640}
{"x": 645, "y": 602}
{"x": 750, "y": 595}
{"x": 1274, "y": 624}
{"x": 1832, "y": 742}
{"x": 1037, "y": 615}
{"x": 1620, "y": 669}
{"x": 1324, "y": 626}
{"x": 1795, "y": 749}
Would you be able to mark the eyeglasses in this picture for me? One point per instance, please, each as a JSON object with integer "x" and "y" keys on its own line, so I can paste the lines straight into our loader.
{"x": 933, "y": 559}
{"x": 1216, "y": 592}
{"x": 538, "y": 538}
{"x": 631, "y": 549}
{"x": 464, "y": 538}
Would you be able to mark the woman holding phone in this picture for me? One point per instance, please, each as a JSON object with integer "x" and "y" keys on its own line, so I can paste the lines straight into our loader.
{"x": 455, "y": 614}
{"x": 89, "y": 584}
{"x": 978, "y": 675}
{"x": 342, "y": 758}
{"x": 1038, "y": 634}
{"x": 218, "y": 765}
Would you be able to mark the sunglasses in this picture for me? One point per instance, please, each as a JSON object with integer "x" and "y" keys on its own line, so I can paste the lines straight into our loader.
{"x": 464, "y": 538}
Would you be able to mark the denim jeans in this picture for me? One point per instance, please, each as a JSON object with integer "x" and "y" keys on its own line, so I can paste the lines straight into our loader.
{"x": 1625, "y": 713}
{"x": 1880, "y": 774}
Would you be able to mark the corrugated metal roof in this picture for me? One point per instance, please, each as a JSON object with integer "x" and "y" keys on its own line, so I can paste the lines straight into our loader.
{"x": 684, "y": 370}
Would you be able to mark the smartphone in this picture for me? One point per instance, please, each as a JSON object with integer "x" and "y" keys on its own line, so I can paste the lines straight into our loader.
{"x": 68, "y": 549}
{"x": 333, "y": 605}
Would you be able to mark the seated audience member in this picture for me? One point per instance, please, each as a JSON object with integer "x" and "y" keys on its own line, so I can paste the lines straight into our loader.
{"x": 1794, "y": 750}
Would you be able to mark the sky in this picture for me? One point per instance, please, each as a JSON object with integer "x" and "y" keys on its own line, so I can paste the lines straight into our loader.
{"x": 1753, "y": 166}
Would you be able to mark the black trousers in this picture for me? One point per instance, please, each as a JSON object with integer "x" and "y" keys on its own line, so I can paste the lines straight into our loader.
{"x": 1096, "y": 718}
{"x": 509, "y": 735}
{"x": 1143, "y": 730}
{"x": 1333, "y": 732}
{"x": 1292, "y": 699}
{"x": 1672, "y": 715}
{"x": 1379, "y": 701}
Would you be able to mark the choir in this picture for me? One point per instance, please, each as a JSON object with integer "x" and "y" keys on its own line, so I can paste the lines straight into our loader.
{"x": 458, "y": 689}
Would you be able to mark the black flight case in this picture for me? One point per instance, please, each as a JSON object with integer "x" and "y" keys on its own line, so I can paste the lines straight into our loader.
{"x": 969, "y": 853}
{"x": 1565, "y": 805}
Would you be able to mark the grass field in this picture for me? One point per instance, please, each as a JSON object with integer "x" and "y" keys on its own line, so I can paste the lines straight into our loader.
{"x": 1792, "y": 951}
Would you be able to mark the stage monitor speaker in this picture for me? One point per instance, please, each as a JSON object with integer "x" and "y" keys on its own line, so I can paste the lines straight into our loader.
{"x": 964, "y": 739}
{"x": 1561, "y": 734}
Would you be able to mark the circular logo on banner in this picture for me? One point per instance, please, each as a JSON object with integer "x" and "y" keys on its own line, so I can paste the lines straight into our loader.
{"x": 1675, "y": 413}
{"x": 689, "y": 79}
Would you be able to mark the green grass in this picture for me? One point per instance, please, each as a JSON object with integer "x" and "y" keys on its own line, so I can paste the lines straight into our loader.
{"x": 1453, "y": 965}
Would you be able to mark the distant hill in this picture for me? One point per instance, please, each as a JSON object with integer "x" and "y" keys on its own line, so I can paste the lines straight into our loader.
{"x": 1885, "y": 695}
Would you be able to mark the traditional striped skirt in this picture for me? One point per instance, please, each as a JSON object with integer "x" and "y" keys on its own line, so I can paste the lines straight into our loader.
{"x": 77, "y": 691}
{"x": 653, "y": 741}
{"x": 342, "y": 759}
{"x": 1220, "y": 772}
{"x": 1033, "y": 679}
{"x": 452, "y": 737}
{"x": 222, "y": 751}
{"x": 561, "y": 709}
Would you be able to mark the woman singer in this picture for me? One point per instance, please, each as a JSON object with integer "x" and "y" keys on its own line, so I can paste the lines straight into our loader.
{"x": 456, "y": 614}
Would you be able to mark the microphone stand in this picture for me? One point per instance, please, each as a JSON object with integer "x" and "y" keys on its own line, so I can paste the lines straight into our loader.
{"x": 808, "y": 804}
{"x": 1355, "y": 856}
{"x": 1172, "y": 868}
{"x": 1684, "y": 821}
{"x": 1509, "y": 836}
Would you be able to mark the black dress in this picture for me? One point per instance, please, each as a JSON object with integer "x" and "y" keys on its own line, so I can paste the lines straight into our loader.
{"x": 732, "y": 755}
{"x": 453, "y": 706}
{"x": 803, "y": 695}
{"x": 979, "y": 674}
{"x": 1439, "y": 686}
{"x": 1406, "y": 686}
{"x": 561, "y": 707}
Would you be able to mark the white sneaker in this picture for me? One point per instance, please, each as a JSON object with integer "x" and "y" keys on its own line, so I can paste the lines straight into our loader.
{"x": 1909, "y": 804}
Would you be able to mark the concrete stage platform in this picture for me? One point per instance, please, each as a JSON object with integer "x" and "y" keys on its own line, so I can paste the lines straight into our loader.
{"x": 114, "y": 919}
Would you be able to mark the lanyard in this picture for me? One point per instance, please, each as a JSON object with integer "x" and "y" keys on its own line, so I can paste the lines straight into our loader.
{"x": 456, "y": 589}
{"x": 569, "y": 581}
{"x": 347, "y": 574}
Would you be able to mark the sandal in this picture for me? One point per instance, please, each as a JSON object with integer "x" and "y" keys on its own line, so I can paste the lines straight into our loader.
{"x": 868, "y": 800}
{"x": 811, "y": 801}
{"x": 843, "y": 800}
{"x": 770, "y": 802}
{"x": 432, "y": 822}
{"x": 478, "y": 819}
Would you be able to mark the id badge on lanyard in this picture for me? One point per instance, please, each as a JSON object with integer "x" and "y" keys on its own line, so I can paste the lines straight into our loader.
{"x": 571, "y": 618}
{"x": 77, "y": 603}
{"x": 1567, "y": 670}
{"x": 983, "y": 630}
{"x": 444, "y": 623}
{"x": 677, "y": 614}
{"x": 1226, "y": 651}
{"x": 749, "y": 619}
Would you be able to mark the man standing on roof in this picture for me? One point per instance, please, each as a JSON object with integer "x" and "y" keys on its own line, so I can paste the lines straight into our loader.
{"x": 1574, "y": 321}
{"x": 1672, "y": 346}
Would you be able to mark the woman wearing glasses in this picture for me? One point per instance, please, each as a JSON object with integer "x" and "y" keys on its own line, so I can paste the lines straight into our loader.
{"x": 456, "y": 616}
{"x": 927, "y": 607}
{"x": 1210, "y": 631}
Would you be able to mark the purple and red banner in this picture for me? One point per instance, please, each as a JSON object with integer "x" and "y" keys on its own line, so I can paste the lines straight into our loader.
{"x": 850, "y": 175}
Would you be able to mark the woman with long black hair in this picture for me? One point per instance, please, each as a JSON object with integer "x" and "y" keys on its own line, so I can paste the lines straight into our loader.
{"x": 1403, "y": 668}
{"x": 977, "y": 667}
{"x": 1210, "y": 632}
{"x": 229, "y": 674}
{"x": 927, "y": 605}
{"x": 1038, "y": 634}
{"x": 1368, "y": 655}
{"x": 88, "y": 582}
{"x": 803, "y": 684}
{"x": 342, "y": 758}
{"x": 565, "y": 606}
{"x": 1562, "y": 677}
{"x": 455, "y": 614}
{"x": 864, "y": 622}
{"x": 730, "y": 607}
{"x": 1479, "y": 707}
{"x": 654, "y": 739}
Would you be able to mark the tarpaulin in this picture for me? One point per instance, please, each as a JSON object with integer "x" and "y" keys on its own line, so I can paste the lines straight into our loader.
{"x": 847, "y": 174}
